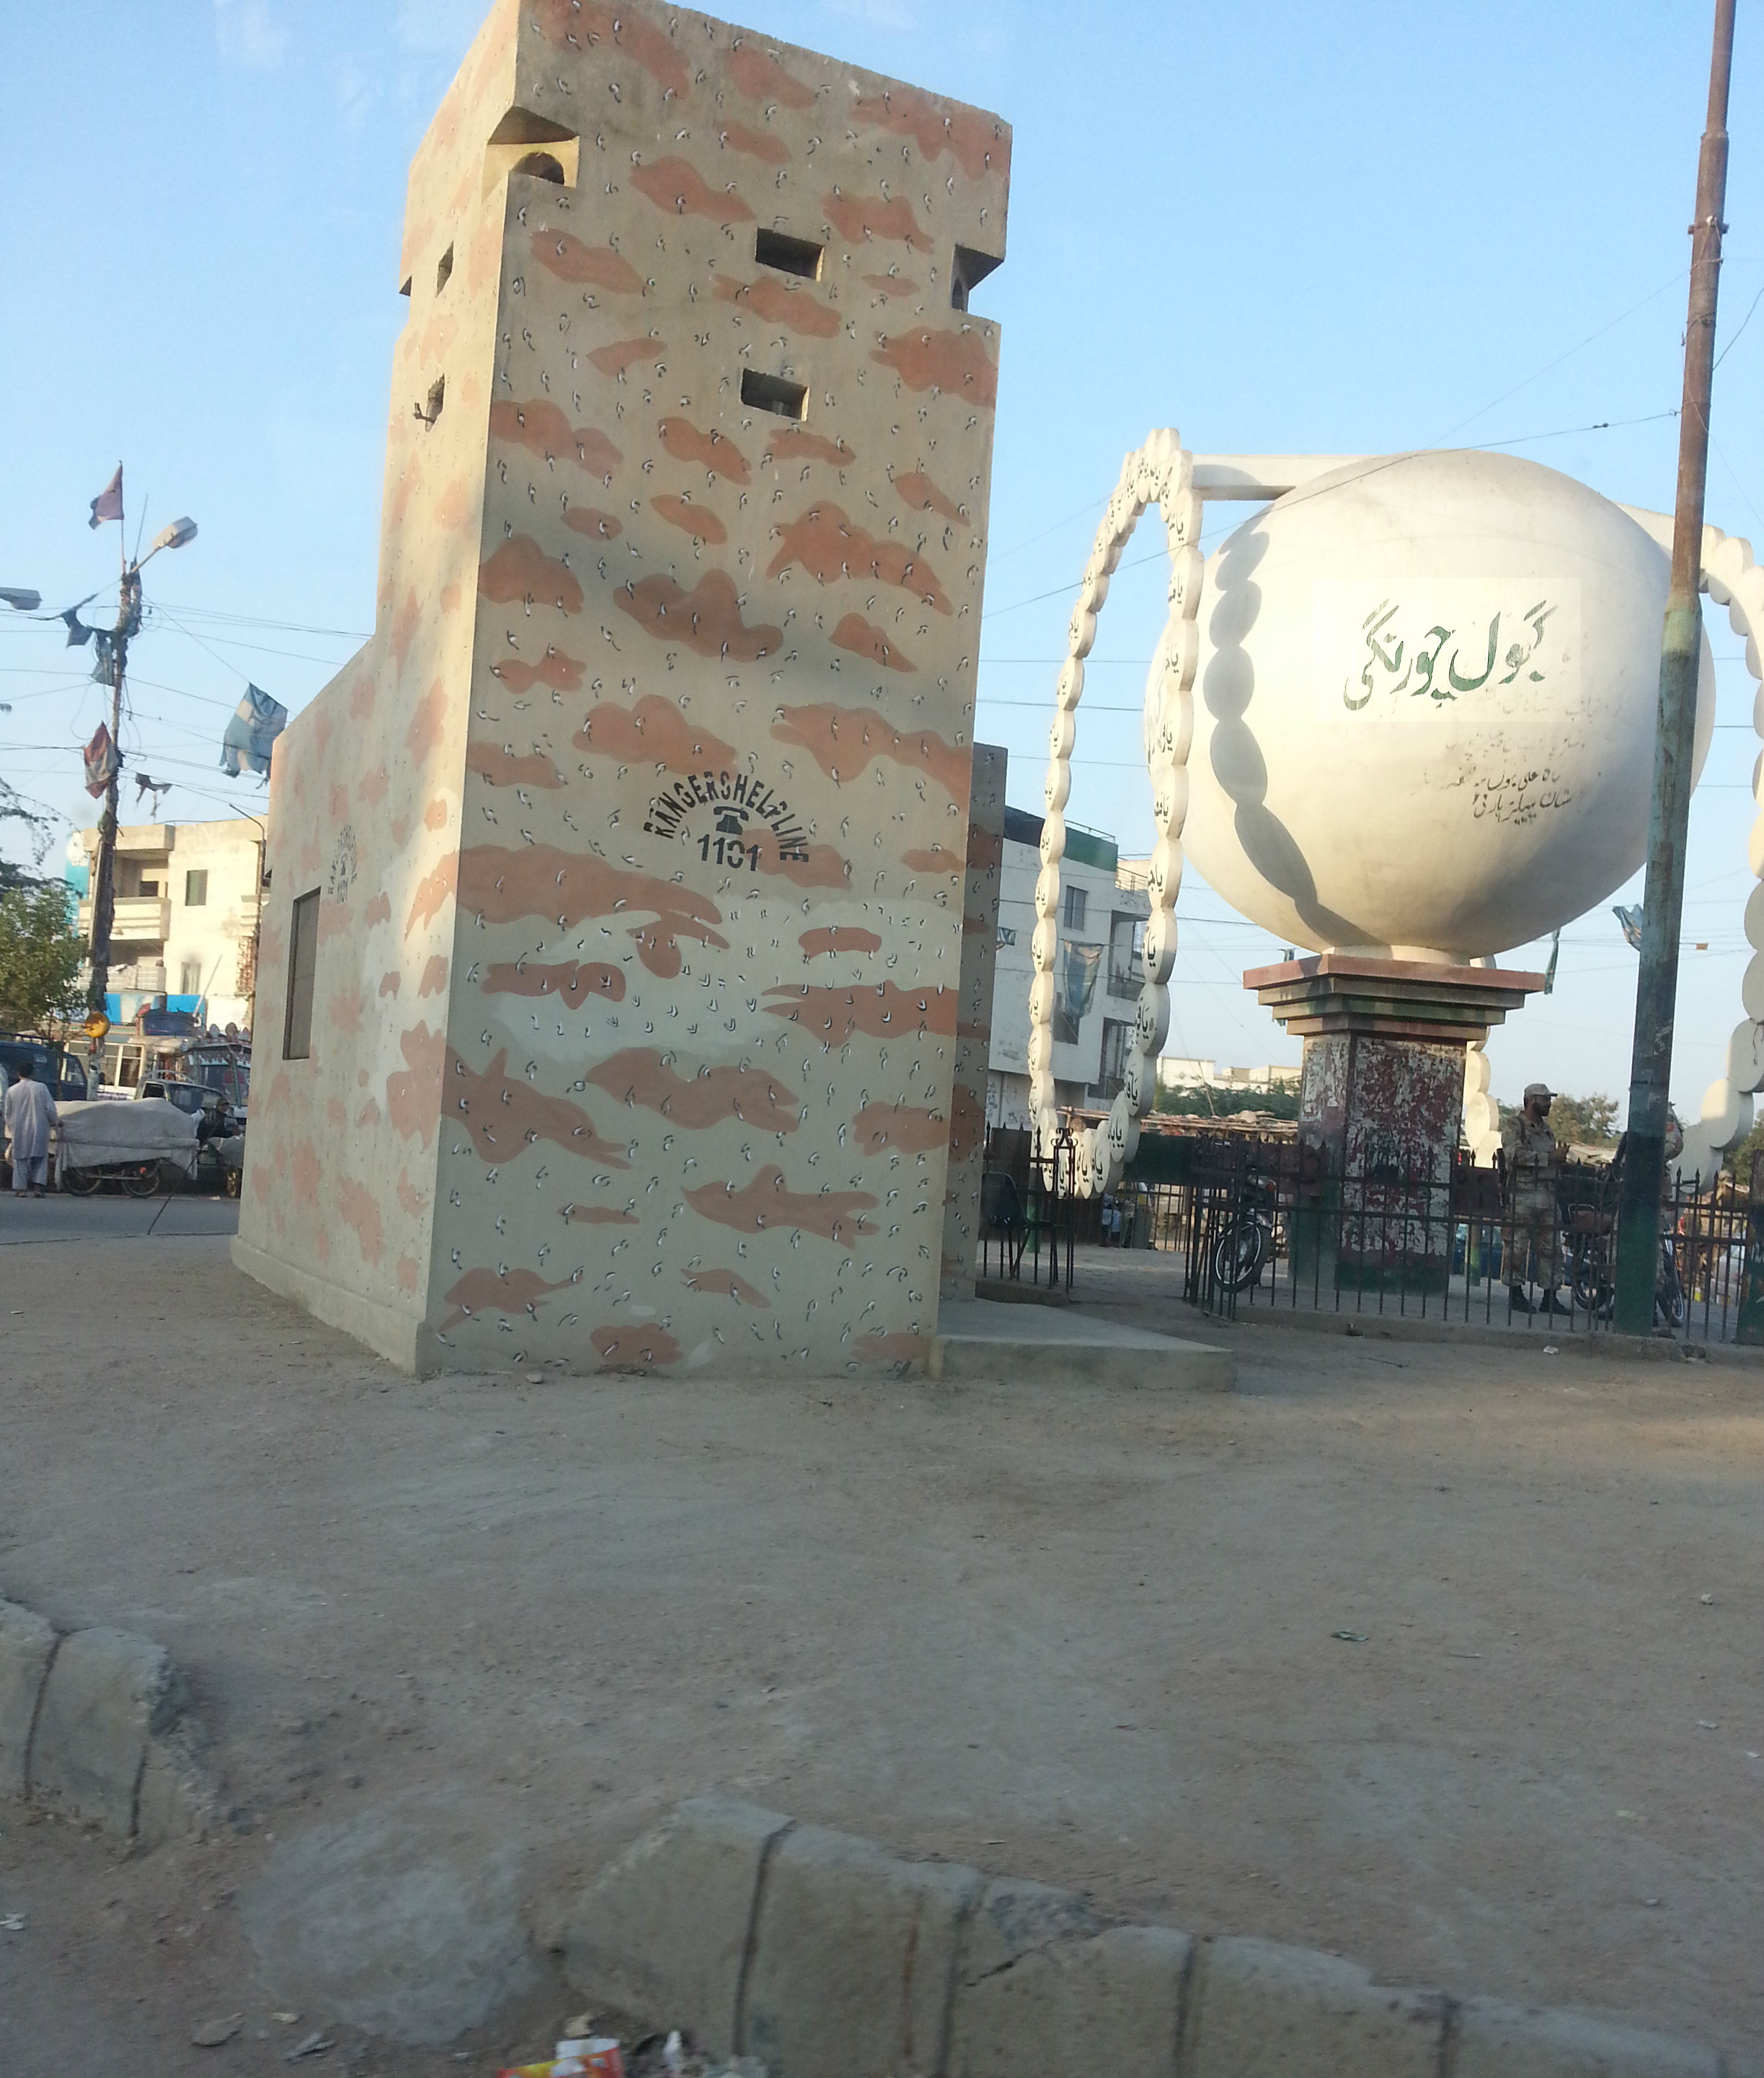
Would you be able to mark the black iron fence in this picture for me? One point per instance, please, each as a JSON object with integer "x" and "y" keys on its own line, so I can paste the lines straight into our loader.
{"x": 1259, "y": 1222}
{"x": 1031, "y": 1214}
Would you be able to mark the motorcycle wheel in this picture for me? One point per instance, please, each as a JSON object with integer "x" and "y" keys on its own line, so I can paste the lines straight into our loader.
{"x": 80, "y": 1183}
{"x": 1590, "y": 1294}
{"x": 142, "y": 1183}
{"x": 1237, "y": 1257}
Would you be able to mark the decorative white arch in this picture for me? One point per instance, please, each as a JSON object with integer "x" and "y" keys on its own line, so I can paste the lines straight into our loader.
{"x": 1162, "y": 474}
{"x": 1165, "y": 474}
{"x": 1732, "y": 578}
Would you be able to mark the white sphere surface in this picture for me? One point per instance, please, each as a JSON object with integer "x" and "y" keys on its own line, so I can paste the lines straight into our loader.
{"x": 1425, "y": 707}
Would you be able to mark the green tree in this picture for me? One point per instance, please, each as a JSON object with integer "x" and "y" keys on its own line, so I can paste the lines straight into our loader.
{"x": 1737, "y": 1160}
{"x": 14, "y": 809}
{"x": 1585, "y": 1121}
{"x": 40, "y": 955}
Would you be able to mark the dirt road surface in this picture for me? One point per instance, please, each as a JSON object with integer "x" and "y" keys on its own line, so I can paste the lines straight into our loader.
{"x": 1090, "y": 1635}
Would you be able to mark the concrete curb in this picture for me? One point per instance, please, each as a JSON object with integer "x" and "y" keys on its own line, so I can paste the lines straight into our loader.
{"x": 98, "y": 1724}
{"x": 977, "y": 1340}
{"x": 1142, "y": 1366}
{"x": 1603, "y": 1343}
{"x": 830, "y": 1957}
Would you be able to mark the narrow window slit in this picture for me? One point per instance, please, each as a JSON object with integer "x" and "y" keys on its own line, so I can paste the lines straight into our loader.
{"x": 967, "y": 270}
{"x": 443, "y": 269}
{"x": 541, "y": 166}
{"x": 302, "y": 967}
{"x": 772, "y": 393}
{"x": 789, "y": 255}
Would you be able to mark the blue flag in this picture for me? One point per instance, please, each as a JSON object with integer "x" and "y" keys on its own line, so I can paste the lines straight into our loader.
{"x": 251, "y": 735}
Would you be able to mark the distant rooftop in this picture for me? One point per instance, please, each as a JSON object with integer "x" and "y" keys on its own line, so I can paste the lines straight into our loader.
{"x": 1089, "y": 847}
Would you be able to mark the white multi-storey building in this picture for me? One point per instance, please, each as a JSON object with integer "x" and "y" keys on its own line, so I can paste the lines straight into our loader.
{"x": 1103, "y": 909}
{"x": 188, "y": 896}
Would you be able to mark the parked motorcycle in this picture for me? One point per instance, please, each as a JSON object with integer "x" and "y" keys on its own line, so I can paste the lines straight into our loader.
{"x": 1245, "y": 1246}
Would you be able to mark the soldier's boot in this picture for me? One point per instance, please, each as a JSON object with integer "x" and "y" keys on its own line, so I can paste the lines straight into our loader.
{"x": 1520, "y": 1302}
{"x": 1554, "y": 1303}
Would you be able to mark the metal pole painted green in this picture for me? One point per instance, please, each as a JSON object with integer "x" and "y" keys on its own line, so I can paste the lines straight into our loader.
{"x": 1650, "y": 1070}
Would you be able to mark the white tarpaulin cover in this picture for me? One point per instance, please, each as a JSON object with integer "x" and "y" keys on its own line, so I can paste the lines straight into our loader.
{"x": 143, "y": 1129}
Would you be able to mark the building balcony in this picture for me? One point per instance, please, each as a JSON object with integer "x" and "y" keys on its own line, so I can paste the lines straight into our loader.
{"x": 138, "y": 918}
{"x": 1124, "y": 984}
{"x": 150, "y": 840}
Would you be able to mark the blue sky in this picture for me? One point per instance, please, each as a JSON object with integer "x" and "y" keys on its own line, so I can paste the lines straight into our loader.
{"x": 1277, "y": 227}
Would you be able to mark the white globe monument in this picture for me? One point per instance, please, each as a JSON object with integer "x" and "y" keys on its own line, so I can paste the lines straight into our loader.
{"x": 1404, "y": 718}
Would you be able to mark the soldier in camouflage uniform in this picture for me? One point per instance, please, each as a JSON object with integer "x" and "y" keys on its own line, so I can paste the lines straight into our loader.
{"x": 1532, "y": 1159}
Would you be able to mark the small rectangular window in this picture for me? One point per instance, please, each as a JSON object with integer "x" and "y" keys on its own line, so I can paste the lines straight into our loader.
{"x": 190, "y": 977}
{"x": 302, "y": 965}
{"x": 196, "y": 889}
{"x": 789, "y": 255}
{"x": 968, "y": 269}
{"x": 772, "y": 393}
{"x": 149, "y": 888}
{"x": 1075, "y": 908}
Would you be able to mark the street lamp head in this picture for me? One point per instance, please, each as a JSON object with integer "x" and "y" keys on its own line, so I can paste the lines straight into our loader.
{"x": 175, "y": 535}
{"x": 22, "y": 601}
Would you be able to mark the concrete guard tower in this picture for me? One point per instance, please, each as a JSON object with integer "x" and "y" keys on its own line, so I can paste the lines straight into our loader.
{"x": 612, "y": 965}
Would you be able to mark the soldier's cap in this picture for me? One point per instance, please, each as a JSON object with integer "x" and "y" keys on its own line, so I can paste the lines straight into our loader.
{"x": 1538, "y": 1090}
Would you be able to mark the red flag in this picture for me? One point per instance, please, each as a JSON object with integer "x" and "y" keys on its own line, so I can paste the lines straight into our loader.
{"x": 102, "y": 761}
{"x": 108, "y": 504}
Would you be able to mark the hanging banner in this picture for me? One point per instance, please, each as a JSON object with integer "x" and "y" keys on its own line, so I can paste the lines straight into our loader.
{"x": 251, "y": 735}
{"x": 102, "y": 762}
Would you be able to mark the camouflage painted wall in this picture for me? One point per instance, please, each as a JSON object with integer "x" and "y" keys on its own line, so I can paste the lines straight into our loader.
{"x": 641, "y": 982}
{"x": 973, "y": 1025}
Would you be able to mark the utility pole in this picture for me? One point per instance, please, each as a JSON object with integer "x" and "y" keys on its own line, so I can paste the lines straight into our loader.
{"x": 129, "y": 624}
{"x": 128, "y": 621}
{"x": 1657, "y": 986}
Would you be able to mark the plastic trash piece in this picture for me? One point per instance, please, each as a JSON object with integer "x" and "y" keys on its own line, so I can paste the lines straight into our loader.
{"x": 576, "y": 2056}
{"x": 314, "y": 2044}
{"x": 1350, "y": 1636}
{"x": 211, "y": 2034}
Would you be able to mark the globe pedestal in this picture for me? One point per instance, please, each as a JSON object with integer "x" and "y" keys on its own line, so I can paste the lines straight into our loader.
{"x": 1379, "y": 1109}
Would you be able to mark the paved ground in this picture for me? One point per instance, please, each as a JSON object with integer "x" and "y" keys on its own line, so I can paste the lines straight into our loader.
{"x": 111, "y": 1217}
{"x": 1086, "y": 1635}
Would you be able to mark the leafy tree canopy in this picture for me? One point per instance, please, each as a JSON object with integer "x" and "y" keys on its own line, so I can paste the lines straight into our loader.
{"x": 14, "y": 809}
{"x": 40, "y": 956}
{"x": 1585, "y": 1121}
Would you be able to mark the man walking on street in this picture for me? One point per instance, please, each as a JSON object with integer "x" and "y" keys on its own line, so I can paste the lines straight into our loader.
{"x": 1532, "y": 1159}
{"x": 30, "y": 1112}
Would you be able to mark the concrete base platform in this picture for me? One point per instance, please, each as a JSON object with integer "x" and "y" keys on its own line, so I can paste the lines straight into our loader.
{"x": 977, "y": 1339}
{"x": 393, "y": 1335}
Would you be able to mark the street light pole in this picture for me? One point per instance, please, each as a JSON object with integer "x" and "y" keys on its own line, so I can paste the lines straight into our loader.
{"x": 1657, "y": 986}
{"x": 128, "y": 622}
{"x": 128, "y": 619}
